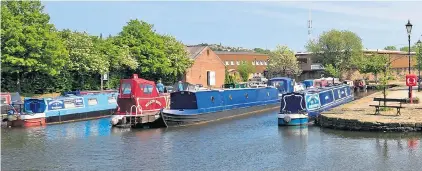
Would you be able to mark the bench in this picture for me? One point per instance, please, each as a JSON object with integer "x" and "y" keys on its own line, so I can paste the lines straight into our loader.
{"x": 377, "y": 107}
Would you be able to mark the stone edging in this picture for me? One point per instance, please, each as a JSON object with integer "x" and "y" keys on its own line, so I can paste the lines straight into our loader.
{"x": 355, "y": 125}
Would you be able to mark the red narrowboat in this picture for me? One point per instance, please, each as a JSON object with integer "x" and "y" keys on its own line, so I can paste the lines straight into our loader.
{"x": 139, "y": 103}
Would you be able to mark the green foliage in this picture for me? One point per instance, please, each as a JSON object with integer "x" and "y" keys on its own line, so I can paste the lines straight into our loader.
{"x": 29, "y": 43}
{"x": 83, "y": 54}
{"x": 283, "y": 61}
{"x": 406, "y": 48}
{"x": 260, "y": 50}
{"x": 178, "y": 56}
{"x": 158, "y": 56}
{"x": 36, "y": 58}
{"x": 228, "y": 79}
{"x": 337, "y": 48}
{"x": 331, "y": 71}
{"x": 390, "y": 48}
{"x": 372, "y": 64}
{"x": 245, "y": 69}
{"x": 418, "y": 64}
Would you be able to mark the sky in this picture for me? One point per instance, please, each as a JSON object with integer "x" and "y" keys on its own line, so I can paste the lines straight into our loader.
{"x": 245, "y": 23}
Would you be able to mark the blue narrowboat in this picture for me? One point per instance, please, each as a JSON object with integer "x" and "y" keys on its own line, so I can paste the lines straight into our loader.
{"x": 308, "y": 83}
{"x": 283, "y": 85}
{"x": 70, "y": 107}
{"x": 311, "y": 102}
{"x": 188, "y": 107}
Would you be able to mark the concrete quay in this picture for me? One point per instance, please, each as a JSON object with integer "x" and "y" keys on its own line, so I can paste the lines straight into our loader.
{"x": 359, "y": 116}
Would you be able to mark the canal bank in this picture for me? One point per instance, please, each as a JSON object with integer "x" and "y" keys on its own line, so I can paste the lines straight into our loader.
{"x": 360, "y": 116}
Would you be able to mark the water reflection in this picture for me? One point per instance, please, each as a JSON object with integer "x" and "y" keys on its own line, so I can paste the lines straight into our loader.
{"x": 255, "y": 142}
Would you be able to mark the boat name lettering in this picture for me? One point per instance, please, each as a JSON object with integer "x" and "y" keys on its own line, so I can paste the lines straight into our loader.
{"x": 153, "y": 101}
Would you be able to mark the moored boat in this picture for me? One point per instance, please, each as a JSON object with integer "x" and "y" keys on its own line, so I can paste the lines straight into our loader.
{"x": 139, "y": 103}
{"x": 71, "y": 107}
{"x": 312, "y": 102}
{"x": 293, "y": 110}
{"x": 188, "y": 107}
{"x": 283, "y": 85}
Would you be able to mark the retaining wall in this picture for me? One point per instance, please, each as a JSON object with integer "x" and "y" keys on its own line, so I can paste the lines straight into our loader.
{"x": 355, "y": 125}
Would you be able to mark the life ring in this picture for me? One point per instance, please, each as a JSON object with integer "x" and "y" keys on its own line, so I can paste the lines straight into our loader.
{"x": 287, "y": 119}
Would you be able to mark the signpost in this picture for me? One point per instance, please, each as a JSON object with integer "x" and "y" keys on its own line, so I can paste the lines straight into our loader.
{"x": 411, "y": 81}
{"x": 104, "y": 77}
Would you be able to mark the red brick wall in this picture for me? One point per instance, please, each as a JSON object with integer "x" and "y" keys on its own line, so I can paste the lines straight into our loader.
{"x": 245, "y": 57}
{"x": 206, "y": 61}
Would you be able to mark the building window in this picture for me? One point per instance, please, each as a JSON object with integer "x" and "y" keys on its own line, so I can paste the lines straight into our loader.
{"x": 232, "y": 62}
{"x": 253, "y": 62}
{"x": 261, "y": 63}
{"x": 303, "y": 60}
{"x": 257, "y": 63}
{"x": 237, "y": 62}
{"x": 227, "y": 62}
{"x": 265, "y": 63}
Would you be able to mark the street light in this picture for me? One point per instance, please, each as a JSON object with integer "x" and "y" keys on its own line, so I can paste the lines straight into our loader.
{"x": 419, "y": 43}
{"x": 409, "y": 31}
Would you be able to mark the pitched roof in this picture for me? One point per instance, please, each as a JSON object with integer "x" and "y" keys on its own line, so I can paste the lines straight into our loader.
{"x": 194, "y": 51}
{"x": 238, "y": 53}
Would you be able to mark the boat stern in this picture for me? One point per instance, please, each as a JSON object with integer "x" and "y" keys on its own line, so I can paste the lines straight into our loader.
{"x": 292, "y": 119}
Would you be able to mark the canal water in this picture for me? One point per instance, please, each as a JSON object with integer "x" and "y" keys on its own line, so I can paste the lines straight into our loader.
{"x": 253, "y": 142}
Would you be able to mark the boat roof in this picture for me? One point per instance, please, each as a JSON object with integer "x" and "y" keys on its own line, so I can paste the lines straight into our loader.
{"x": 280, "y": 78}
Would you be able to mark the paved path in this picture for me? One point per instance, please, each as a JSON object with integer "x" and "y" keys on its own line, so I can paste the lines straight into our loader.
{"x": 361, "y": 111}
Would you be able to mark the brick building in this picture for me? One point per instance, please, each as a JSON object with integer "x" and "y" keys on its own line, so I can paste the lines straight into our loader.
{"x": 207, "y": 69}
{"x": 233, "y": 59}
{"x": 399, "y": 65}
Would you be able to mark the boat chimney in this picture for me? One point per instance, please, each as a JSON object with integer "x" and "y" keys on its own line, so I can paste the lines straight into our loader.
{"x": 135, "y": 76}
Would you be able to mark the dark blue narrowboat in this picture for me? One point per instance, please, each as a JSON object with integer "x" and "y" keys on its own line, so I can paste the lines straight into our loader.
{"x": 189, "y": 107}
{"x": 312, "y": 102}
{"x": 283, "y": 85}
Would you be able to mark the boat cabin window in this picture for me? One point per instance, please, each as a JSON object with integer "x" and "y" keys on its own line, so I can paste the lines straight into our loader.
{"x": 126, "y": 88}
{"x": 147, "y": 88}
{"x": 112, "y": 99}
{"x": 92, "y": 101}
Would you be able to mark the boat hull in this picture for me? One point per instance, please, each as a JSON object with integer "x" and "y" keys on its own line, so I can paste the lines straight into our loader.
{"x": 292, "y": 119}
{"x": 174, "y": 120}
{"x": 150, "y": 119}
{"x": 26, "y": 120}
{"x": 79, "y": 116}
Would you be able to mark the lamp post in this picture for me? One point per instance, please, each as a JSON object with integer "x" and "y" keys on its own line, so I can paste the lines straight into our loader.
{"x": 419, "y": 64}
{"x": 409, "y": 31}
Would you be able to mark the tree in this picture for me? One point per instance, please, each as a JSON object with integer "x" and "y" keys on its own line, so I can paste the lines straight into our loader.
{"x": 373, "y": 64}
{"x": 29, "y": 43}
{"x": 390, "y": 48}
{"x": 338, "y": 49}
{"x": 178, "y": 56}
{"x": 244, "y": 69}
{"x": 419, "y": 57}
{"x": 158, "y": 56}
{"x": 283, "y": 61}
{"x": 260, "y": 50}
{"x": 228, "y": 79}
{"x": 406, "y": 48}
{"x": 83, "y": 54}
